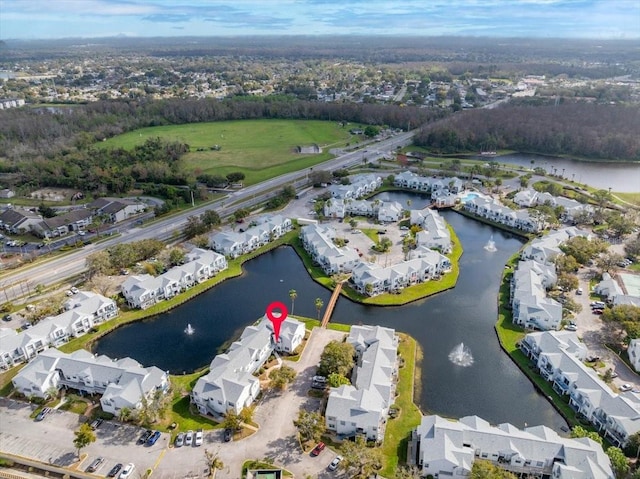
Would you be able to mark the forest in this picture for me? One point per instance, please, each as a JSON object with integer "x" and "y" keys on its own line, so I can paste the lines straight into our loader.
{"x": 596, "y": 131}
{"x": 49, "y": 132}
{"x": 56, "y": 147}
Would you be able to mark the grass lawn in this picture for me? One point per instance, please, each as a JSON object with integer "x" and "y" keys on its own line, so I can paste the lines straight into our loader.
{"x": 633, "y": 198}
{"x": 261, "y": 149}
{"x": 396, "y": 437}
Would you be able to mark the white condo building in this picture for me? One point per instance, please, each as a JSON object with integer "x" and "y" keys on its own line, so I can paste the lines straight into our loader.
{"x": 122, "y": 383}
{"x": 447, "y": 448}
{"x": 361, "y": 408}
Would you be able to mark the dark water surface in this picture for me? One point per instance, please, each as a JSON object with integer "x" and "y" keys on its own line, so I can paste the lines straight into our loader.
{"x": 493, "y": 387}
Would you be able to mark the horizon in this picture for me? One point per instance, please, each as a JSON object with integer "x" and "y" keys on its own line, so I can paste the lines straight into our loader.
{"x": 536, "y": 19}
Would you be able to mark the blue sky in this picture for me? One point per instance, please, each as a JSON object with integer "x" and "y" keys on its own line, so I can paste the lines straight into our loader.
{"x": 31, "y": 19}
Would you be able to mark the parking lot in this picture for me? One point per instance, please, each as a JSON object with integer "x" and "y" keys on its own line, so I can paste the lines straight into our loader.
{"x": 51, "y": 440}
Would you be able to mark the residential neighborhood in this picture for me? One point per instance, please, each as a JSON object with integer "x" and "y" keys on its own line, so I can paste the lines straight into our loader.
{"x": 82, "y": 312}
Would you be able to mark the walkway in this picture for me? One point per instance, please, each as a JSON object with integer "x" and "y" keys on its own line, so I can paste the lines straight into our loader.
{"x": 332, "y": 304}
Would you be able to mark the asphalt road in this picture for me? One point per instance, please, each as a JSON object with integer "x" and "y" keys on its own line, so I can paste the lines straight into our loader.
{"x": 14, "y": 285}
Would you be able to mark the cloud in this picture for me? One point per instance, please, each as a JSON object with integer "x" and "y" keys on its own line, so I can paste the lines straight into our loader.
{"x": 541, "y": 18}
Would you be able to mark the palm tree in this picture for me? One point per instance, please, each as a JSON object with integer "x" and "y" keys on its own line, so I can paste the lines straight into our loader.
{"x": 293, "y": 294}
{"x": 319, "y": 304}
{"x": 213, "y": 461}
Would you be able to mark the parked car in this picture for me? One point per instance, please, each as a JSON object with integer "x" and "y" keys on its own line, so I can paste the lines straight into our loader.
{"x": 95, "y": 465}
{"x": 188, "y": 439}
{"x": 7, "y": 317}
{"x": 333, "y": 465}
{"x": 127, "y": 472}
{"x": 318, "y": 449}
{"x": 96, "y": 424}
{"x": 115, "y": 470}
{"x": 179, "y": 442}
{"x": 579, "y": 291}
{"x": 198, "y": 438}
{"x": 626, "y": 387}
{"x": 228, "y": 435}
{"x": 571, "y": 327}
{"x": 145, "y": 436}
{"x": 74, "y": 290}
{"x": 153, "y": 438}
{"x": 42, "y": 414}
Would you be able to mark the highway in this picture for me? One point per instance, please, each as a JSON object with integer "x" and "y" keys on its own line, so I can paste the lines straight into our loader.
{"x": 21, "y": 283}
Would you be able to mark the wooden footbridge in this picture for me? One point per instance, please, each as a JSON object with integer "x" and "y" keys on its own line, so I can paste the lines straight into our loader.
{"x": 332, "y": 304}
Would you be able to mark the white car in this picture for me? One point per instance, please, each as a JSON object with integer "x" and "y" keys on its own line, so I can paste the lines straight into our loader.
{"x": 335, "y": 463}
{"x": 127, "y": 472}
{"x": 188, "y": 438}
{"x": 626, "y": 387}
{"x": 199, "y": 438}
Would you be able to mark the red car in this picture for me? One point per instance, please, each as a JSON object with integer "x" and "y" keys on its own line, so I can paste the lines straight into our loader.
{"x": 318, "y": 449}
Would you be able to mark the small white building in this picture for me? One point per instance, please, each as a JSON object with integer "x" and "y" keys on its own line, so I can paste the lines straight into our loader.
{"x": 634, "y": 354}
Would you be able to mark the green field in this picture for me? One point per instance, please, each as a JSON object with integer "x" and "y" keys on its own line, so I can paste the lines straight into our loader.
{"x": 261, "y": 149}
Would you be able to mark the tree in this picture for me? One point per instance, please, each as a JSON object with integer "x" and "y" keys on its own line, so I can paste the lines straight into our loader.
{"x": 83, "y": 437}
{"x": 337, "y": 357}
{"x": 319, "y": 304}
{"x": 241, "y": 213}
{"x": 632, "y": 447}
{"x": 619, "y": 462}
{"x": 371, "y": 131}
{"x": 609, "y": 261}
{"x": 360, "y": 461}
{"x": 353, "y": 223}
{"x": 246, "y": 414}
{"x": 487, "y": 470}
{"x": 293, "y": 294}
{"x": 566, "y": 264}
{"x": 317, "y": 177}
{"x": 282, "y": 376}
{"x": 194, "y": 227}
{"x": 210, "y": 218}
{"x": 632, "y": 248}
{"x": 98, "y": 263}
{"x": 235, "y": 177}
{"x": 582, "y": 249}
{"x": 46, "y": 211}
{"x": 579, "y": 431}
{"x": 310, "y": 425}
{"x": 213, "y": 461}
{"x": 336, "y": 380}
{"x": 176, "y": 256}
{"x": 232, "y": 420}
{"x": 408, "y": 472}
{"x": 567, "y": 281}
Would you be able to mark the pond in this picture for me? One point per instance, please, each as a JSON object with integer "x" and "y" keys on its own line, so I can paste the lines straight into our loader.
{"x": 492, "y": 387}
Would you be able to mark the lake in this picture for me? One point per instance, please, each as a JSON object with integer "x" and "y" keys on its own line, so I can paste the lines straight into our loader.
{"x": 492, "y": 388}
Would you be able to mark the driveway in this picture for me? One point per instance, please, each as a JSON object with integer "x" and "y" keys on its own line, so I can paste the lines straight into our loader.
{"x": 276, "y": 437}
{"x": 591, "y": 329}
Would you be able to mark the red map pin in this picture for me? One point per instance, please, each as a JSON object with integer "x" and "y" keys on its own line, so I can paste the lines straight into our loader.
{"x": 276, "y": 318}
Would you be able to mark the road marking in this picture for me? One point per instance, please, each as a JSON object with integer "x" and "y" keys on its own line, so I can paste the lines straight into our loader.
{"x": 157, "y": 463}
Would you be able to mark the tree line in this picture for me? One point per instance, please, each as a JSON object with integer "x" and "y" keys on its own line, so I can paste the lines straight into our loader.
{"x": 577, "y": 129}
{"x": 49, "y": 132}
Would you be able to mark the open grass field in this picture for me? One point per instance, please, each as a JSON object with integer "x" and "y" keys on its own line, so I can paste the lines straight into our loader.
{"x": 261, "y": 149}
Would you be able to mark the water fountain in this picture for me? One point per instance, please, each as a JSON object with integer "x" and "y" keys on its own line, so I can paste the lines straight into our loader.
{"x": 491, "y": 245}
{"x": 189, "y": 330}
{"x": 461, "y": 355}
